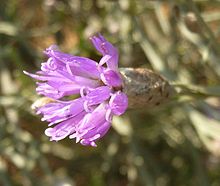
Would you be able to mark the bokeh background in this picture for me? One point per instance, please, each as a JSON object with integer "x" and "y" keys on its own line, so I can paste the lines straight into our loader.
{"x": 175, "y": 144}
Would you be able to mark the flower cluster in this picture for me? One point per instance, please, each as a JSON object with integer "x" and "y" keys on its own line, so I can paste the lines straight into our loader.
{"x": 99, "y": 86}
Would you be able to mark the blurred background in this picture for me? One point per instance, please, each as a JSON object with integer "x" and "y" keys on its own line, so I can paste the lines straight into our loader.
{"x": 175, "y": 144}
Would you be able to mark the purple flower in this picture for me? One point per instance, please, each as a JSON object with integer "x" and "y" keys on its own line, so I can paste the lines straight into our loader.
{"x": 99, "y": 86}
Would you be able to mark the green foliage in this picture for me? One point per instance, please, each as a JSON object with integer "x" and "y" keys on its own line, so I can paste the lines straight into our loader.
{"x": 174, "y": 144}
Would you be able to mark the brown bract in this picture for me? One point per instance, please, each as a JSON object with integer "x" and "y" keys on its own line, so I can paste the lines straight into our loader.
{"x": 145, "y": 88}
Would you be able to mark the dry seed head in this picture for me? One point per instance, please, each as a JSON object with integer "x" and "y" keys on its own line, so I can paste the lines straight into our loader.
{"x": 145, "y": 88}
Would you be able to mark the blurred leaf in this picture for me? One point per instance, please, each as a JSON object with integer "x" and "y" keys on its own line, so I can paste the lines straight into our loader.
{"x": 122, "y": 126}
{"x": 8, "y": 28}
{"x": 198, "y": 90}
{"x": 204, "y": 125}
{"x": 208, "y": 130}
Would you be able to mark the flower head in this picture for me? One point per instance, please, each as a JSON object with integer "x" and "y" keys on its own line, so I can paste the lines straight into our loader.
{"x": 99, "y": 86}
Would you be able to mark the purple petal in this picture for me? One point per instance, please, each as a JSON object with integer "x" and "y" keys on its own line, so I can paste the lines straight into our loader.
{"x": 59, "y": 83}
{"x": 118, "y": 103}
{"x": 65, "y": 128}
{"x": 106, "y": 48}
{"x": 97, "y": 95}
{"x": 94, "y": 119}
{"x": 98, "y": 132}
{"x": 104, "y": 60}
{"x": 60, "y": 111}
{"x": 111, "y": 78}
{"x": 48, "y": 91}
{"x": 91, "y": 122}
{"x": 82, "y": 68}
{"x": 92, "y": 135}
{"x": 102, "y": 45}
{"x": 48, "y": 76}
{"x": 76, "y": 65}
{"x": 92, "y": 127}
{"x": 50, "y": 65}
